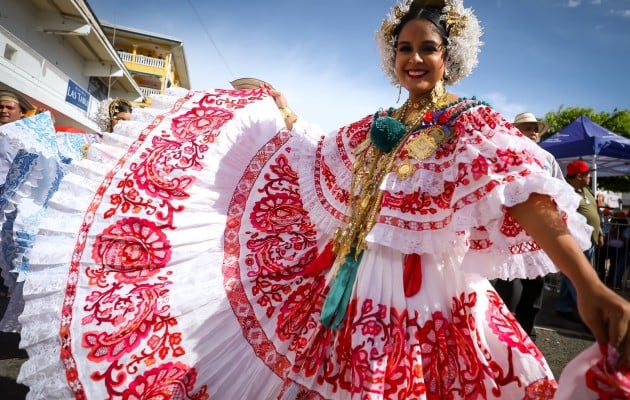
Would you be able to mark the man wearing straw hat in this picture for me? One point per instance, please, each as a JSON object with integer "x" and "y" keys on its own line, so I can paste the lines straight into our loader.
{"x": 12, "y": 106}
{"x": 533, "y": 128}
{"x": 524, "y": 296}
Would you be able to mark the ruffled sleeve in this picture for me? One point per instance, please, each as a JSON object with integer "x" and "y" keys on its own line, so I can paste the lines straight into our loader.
{"x": 497, "y": 168}
{"x": 456, "y": 200}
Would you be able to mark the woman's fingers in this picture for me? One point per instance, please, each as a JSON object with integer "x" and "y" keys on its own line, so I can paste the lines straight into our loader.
{"x": 619, "y": 329}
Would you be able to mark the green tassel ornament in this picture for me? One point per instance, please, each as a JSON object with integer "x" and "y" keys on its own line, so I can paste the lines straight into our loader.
{"x": 338, "y": 298}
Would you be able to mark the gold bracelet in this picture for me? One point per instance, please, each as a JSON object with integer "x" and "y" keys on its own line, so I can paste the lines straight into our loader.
{"x": 286, "y": 112}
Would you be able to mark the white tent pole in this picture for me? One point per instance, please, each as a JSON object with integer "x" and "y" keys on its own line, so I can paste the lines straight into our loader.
{"x": 594, "y": 177}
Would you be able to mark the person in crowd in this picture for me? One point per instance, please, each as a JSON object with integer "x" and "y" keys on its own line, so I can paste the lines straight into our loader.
{"x": 533, "y": 128}
{"x": 112, "y": 111}
{"x": 524, "y": 297}
{"x": 579, "y": 177}
{"x": 235, "y": 251}
{"x": 13, "y": 106}
{"x": 615, "y": 250}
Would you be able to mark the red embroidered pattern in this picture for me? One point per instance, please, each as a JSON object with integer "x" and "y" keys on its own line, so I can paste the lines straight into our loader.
{"x": 170, "y": 381}
{"x": 606, "y": 381}
{"x": 134, "y": 247}
{"x": 510, "y": 227}
{"x": 131, "y": 325}
{"x": 379, "y": 350}
{"x": 509, "y": 331}
{"x": 239, "y": 299}
{"x": 542, "y": 389}
{"x": 419, "y": 202}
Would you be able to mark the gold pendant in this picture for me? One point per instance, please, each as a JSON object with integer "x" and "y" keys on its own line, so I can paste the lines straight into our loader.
{"x": 404, "y": 170}
{"x": 426, "y": 143}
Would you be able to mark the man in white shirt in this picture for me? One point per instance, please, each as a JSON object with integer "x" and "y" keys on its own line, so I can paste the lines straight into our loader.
{"x": 13, "y": 107}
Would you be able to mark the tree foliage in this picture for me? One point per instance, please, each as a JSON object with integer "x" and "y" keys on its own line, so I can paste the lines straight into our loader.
{"x": 617, "y": 121}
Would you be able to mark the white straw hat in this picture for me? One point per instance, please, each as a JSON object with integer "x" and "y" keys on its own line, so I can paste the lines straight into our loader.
{"x": 526, "y": 117}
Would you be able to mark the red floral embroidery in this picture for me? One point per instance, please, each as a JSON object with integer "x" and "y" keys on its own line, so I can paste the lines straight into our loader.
{"x": 510, "y": 227}
{"x": 128, "y": 308}
{"x": 451, "y": 367}
{"x": 413, "y": 203}
{"x": 160, "y": 173}
{"x": 169, "y": 381}
{"x": 508, "y": 330}
{"x": 479, "y": 167}
{"x": 301, "y": 309}
{"x": 357, "y": 132}
{"x": 419, "y": 202}
{"x": 133, "y": 247}
{"x": 200, "y": 125}
{"x": 542, "y": 389}
{"x": 380, "y": 350}
{"x": 330, "y": 180}
{"x": 506, "y": 159}
{"x": 606, "y": 381}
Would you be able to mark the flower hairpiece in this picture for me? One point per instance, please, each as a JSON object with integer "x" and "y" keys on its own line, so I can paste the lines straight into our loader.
{"x": 462, "y": 49}
{"x": 107, "y": 110}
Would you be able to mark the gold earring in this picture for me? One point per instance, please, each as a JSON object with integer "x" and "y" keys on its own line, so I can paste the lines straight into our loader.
{"x": 439, "y": 92}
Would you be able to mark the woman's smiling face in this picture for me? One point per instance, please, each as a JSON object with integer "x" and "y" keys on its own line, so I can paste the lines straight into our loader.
{"x": 420, "y": 58}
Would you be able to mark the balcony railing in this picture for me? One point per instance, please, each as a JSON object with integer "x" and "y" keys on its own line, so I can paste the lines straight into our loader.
{"x": 142, "y": 60}
{"x": 148, "y": 92}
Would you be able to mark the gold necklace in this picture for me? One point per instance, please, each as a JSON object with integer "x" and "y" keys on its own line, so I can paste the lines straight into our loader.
{"x": 369, "y": 169}
{"x": 411, "y": 112}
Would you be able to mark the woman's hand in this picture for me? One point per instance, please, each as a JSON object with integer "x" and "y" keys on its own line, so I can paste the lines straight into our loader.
{"x": 608, "y": 317}
{"x": 605, "y": 313}
{"x": 288, "y": 115}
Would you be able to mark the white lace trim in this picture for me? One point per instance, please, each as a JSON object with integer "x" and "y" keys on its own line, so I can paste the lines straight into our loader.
{"x": 501, "y": 259}
{"x": 45, "y": 289}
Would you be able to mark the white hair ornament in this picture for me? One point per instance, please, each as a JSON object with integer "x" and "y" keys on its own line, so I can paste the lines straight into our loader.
{"x": 463, "y": 29}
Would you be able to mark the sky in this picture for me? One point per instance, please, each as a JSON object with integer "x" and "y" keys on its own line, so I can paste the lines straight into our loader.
{"x": 538, "y": 55}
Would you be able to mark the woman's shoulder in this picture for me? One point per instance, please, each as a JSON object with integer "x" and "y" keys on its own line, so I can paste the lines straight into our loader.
{"x": 461, "y": 104}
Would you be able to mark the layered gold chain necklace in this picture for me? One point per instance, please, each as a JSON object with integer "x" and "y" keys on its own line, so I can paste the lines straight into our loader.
{"x": 372, "y": 164}
{"x": 375, "y": 158}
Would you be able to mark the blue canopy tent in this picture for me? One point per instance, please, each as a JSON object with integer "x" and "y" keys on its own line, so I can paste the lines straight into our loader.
{"x": 607, "y": 152}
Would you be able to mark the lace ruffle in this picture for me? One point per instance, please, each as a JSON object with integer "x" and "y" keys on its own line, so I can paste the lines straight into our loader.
{"x": 476, "y": 203}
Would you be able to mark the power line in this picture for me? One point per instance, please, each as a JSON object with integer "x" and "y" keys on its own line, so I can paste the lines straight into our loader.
{"x": 211, "y": 40}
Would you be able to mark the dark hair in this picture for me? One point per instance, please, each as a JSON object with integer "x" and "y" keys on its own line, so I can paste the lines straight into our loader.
{"x": 119, "y": 105}
{"x": 431, "y": 14}
{"x": 123, "y": 107}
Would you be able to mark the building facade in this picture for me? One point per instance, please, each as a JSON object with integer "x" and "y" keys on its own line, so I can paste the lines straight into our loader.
{"x": 61, "y": 58}
{"x": 156, "y": 62}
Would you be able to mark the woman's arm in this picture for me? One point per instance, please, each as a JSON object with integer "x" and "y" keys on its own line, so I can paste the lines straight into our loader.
{"x": 602, "y": 310}
{"x": 289, "y": 117}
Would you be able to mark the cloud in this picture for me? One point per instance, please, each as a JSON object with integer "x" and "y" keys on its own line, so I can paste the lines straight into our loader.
{"x": 596, "y": 2}
{"x": 574, "y": 3}
{"x": 317, "y": 82}
{"x": 502, "y": 104}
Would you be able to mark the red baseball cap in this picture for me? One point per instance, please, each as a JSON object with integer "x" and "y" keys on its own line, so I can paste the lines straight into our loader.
{"x": 577, "y": 167}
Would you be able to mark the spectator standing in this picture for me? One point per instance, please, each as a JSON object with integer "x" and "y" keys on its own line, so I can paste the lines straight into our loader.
{"x": 615, "y": 250}
{"x": 112, "y": 111}
{"x": 13, "y": 107}
{"x": 524, "y": 297}
{"x": 578, "y": 176}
